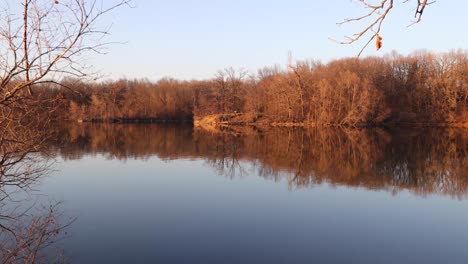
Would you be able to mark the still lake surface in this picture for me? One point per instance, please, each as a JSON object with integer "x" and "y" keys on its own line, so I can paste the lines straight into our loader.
{"x": 172, "y": 194}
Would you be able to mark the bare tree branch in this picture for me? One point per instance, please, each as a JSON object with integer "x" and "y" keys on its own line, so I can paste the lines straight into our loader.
{"x": 376, "y": 15}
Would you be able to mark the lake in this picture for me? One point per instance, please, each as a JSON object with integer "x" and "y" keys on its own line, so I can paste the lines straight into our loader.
{"x": 175, "y": 194}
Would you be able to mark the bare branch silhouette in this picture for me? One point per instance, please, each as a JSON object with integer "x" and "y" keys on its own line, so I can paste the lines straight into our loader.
{"x": 376, "y": 14}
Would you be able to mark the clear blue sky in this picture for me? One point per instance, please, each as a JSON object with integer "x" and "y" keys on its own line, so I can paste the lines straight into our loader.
{"x": 190, "y": 39}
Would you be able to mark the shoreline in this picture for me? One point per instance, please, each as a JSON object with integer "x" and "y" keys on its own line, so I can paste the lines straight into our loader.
{"x": 235, "y": 120}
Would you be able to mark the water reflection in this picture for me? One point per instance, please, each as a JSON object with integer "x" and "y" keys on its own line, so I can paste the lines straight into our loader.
{"x": 423, "y": 161}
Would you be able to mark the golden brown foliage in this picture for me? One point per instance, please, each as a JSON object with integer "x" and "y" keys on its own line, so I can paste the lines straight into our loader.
{"x": 419, "y": 89}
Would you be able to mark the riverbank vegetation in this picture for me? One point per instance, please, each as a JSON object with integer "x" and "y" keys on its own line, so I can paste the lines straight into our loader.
{"x": 422, "y": 88}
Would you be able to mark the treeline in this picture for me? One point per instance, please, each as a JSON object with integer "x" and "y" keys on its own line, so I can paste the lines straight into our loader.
{"x": 167, "y": 99}
{"x": 420, "y": 88}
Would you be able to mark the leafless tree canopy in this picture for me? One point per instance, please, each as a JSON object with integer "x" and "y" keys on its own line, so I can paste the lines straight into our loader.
{"x": 376, "y": 14}
{"x": 41, "y": 41}
{"x": 44, "y": 40}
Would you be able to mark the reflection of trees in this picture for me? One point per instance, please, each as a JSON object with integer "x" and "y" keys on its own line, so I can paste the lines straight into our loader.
{"x": 125, "y": 141}
{"x": 424, "y": 161}
{"x": 226, "y": 154}
{"x": 434, "y": 161}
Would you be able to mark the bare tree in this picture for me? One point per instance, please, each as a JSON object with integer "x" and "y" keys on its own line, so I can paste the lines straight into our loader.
{"x": 377, "y": 12}
{"x": 24, "y": 233}
{"x": 48, "y": 41}
{"x": 41, "y": 42}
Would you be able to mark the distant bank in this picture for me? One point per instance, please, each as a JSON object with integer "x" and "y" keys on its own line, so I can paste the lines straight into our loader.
{"x": 248, "y": 119}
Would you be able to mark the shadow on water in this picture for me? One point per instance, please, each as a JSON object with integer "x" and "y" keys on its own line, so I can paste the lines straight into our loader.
{"x": 422, "y": 161}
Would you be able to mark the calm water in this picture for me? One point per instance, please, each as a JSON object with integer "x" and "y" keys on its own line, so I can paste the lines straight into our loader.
{"x": 152, "y": 194}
